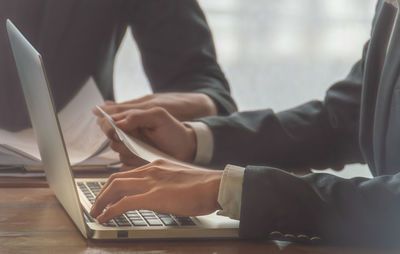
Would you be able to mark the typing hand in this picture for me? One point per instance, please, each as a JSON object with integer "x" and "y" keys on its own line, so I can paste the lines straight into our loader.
{"x": 157, "y": 127}
{"x": 183, "y": 106}
{"x": 161, "y": 186}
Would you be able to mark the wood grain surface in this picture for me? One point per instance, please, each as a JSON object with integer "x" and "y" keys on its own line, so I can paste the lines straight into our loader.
{"x": 32, "y": 221}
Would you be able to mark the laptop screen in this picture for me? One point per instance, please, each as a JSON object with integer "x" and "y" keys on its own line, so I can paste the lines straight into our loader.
{"x": 45, "y": 124}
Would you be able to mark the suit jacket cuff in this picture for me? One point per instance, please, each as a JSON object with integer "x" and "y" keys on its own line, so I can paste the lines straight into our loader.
{"x": 230, "y": 192}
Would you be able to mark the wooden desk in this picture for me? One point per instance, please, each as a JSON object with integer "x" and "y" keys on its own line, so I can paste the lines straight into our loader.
{"x": 32, "y": 221}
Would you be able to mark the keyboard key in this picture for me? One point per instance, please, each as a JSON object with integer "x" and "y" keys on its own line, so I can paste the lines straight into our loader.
{"x": 88, "y": 218}
{"x": 140, "y": 223}
{"x": 146, "y": 212}
{"x": 163, "y": 215}
{"x": 109, "y": 224}
{"x": 94, "y": 187}
{"x": 135, "y": 218}
{"x": 151, "y": 216}
{"x": 154, "y": 222}
{"x": 168, "y": 221}
{"x": 93, "y": 184}
{"x": 184, "y": 221}
{"x": 132, "y": 213}
{"x": 121, "y": 221}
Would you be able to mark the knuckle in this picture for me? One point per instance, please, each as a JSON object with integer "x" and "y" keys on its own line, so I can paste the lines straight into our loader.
{"x": 110, "y": 212}
{"x": 148, "y": 96}
{"x": 117, "y": 108}
{"x": 159, "y": 110}
{"x": 159, "y": 162}
{"x": 113, "y": 176}
{"x": 115, "y": 183}
{"x": 124, "y": 202}
{"x": 111, "y": 179}
{"x": 131, "y": 114}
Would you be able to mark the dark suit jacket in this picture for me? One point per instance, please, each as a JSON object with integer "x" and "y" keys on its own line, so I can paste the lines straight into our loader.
{"x": 359, "y": 121}
{"x": 79, "y": 38}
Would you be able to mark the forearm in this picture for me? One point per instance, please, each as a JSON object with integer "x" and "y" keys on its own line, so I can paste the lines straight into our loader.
{"x": 185, "y": 61}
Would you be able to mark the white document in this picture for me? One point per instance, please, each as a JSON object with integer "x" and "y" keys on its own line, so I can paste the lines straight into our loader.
{"x": 140, "y": 148}
{"x": 83, "y": 137}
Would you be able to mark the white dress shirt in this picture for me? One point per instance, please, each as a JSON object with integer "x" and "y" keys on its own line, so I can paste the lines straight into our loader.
{"x": 230, "y": 189}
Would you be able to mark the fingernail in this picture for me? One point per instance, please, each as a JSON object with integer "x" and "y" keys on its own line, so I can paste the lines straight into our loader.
{"x": 120, "y": 123}
{"x": 100, "y": 218}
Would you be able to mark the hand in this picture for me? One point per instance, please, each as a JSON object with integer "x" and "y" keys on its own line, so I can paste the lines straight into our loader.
{"x": 183, "y": 106}
{"x": 157, "y": 127}
{"x": 126, "y": 157}
{"x": 161, "y": 186}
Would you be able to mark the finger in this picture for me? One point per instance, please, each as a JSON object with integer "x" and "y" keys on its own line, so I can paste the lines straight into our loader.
{"x": 141, "y": 201}
{"x": 118, "y": 189}
{"x": 150, "y": 118}
{"x": 97, "y": 112}
{"x": 107, "y": 128}
{"x": 145, "y": 98}
{"x": 116, "y": 108}
{"x": 119, "y": 116}
{"x": 133, "y": 173}
{"x": 126, "y": 156}
{"x": 132, "y": 161}
{"x": 125, "y": 168}
{"x": 132, "y": 164}
{"x": 108, "y": 102}
{"x": 120, "y": 148}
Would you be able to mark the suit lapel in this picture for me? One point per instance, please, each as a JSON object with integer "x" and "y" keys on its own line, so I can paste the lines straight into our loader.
{"x": 384, "y": 96}
{"x": 375, "y": 58}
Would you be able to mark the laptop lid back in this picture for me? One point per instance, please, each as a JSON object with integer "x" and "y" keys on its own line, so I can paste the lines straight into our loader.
{"x": 46, "y": 125}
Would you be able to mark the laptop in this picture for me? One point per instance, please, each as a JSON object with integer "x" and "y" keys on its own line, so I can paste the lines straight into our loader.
{"x": 77, "y": 195}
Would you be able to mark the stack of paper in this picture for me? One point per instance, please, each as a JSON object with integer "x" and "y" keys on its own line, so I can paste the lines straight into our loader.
{"x": 86, "y": 144}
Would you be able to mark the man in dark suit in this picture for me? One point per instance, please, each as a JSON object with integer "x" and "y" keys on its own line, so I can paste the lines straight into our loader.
{"x": 359, "y": 121}
{"x": 80, "y": 38}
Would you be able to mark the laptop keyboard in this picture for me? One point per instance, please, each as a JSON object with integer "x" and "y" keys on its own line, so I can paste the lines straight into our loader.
{"x": 138, "y": 218}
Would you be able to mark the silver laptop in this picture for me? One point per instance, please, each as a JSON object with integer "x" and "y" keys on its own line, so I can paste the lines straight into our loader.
{"x": 78, "y": 195}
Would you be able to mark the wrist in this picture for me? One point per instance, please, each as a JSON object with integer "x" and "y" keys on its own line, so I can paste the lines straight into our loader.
{"x": 191, "y": 147}
{"x": 210, "y": 189}
{"x": 214, "y": 185}
{"x": 209, "y": 105}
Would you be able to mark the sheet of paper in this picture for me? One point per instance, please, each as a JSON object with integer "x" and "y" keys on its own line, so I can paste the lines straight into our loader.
{"x": 82, "y": 135}
{"x": 140, "y": 148}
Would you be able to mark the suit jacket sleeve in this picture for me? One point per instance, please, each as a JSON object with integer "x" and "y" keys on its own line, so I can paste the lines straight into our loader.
{"x": 177, "y": 50}
{"x": 356, "y": 211}
{"x": 314, "y": 135}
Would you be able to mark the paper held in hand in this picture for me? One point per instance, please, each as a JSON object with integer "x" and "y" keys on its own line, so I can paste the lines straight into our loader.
{"x": 86, "y": 144}
{"x": 140, "y": 148}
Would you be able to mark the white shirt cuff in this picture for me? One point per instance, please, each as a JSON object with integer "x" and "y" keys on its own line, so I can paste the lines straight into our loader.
{"x": 230, "y": 192}
{"x": 205, "y": 142}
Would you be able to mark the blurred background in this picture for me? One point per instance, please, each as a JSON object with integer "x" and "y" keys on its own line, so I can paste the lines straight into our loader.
{"x": 275, "y": 54}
